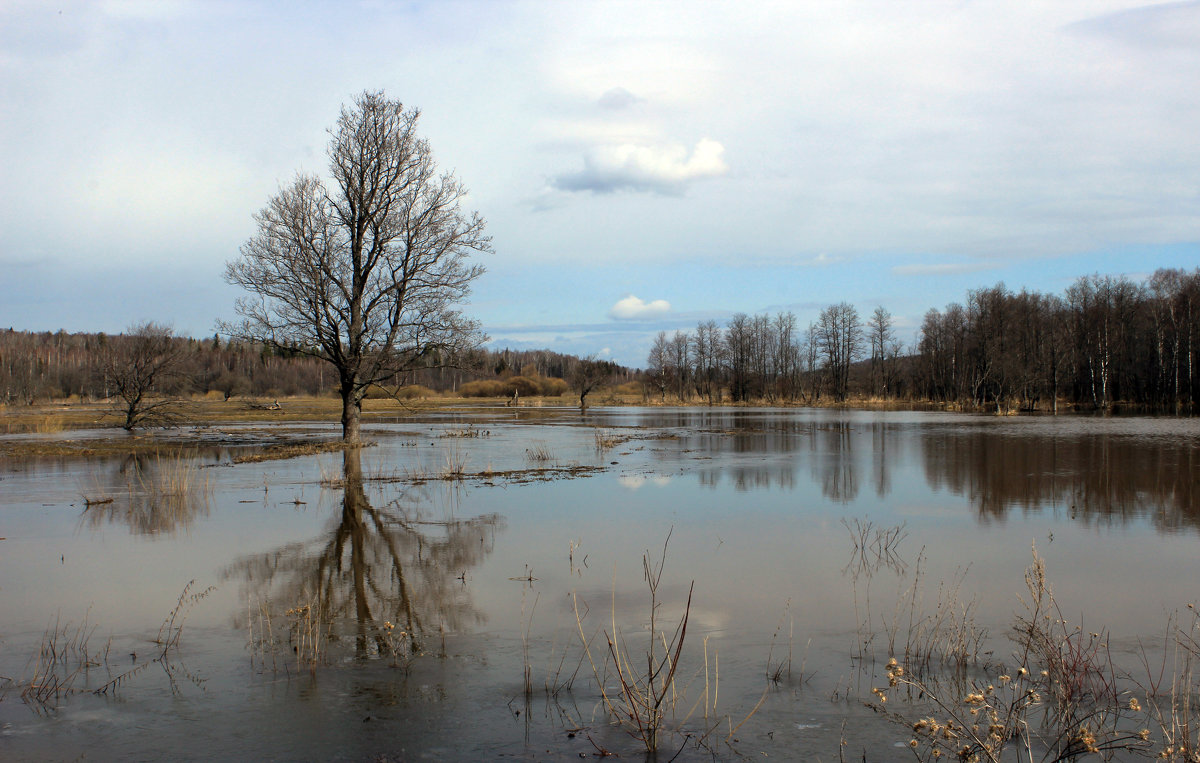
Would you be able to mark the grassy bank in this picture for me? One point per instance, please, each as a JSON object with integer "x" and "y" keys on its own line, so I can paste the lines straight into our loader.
{"x": 56, "y": 425}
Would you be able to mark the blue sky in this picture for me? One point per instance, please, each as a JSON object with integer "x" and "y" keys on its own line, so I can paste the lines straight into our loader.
{"x": 642, "y": 167}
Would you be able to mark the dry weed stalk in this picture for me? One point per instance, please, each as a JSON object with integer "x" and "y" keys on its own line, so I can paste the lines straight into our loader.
{"x": 1060, "y": 702}
{"x": 646, "y": 688}
{"x": 645, "y": 697}
{"x": 1076, "y": 662}
{"x": 62, "y": 656}
{"x": 1172, "y": 691}
{"x": 874, "y": 548}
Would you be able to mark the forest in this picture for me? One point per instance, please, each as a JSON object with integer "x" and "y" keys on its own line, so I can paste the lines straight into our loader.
{"x": 44, "y": 366}
{"x": 1108, "y": 341}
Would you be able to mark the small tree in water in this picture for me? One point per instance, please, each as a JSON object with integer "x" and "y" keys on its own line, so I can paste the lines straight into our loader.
{"x": 142, "y": 369}
{"x": 364, "y": 274}
{"x": 588, "y": 374}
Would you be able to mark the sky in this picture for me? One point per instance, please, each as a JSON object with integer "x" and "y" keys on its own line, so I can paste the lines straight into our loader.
{"x": 642, "y": 167}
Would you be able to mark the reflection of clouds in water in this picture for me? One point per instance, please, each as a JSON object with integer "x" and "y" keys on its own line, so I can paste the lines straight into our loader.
{"x": 636, "y": 481}
{"x": 710, "y": 622}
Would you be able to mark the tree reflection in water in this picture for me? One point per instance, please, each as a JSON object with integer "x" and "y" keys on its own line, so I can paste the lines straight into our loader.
{"x": 152, "y": 494}
{"x": 1102, "y": 479}
{"x": 375, "y": 567}
{"x": 1099, "y": 473}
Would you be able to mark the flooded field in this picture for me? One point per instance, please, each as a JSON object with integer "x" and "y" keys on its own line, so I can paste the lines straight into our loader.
{"x": 451, "y": 591}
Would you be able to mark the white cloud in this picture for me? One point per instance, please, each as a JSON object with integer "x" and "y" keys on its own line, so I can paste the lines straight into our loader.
{"x": 631, "y": 309}
{"x": 665, "y": 169}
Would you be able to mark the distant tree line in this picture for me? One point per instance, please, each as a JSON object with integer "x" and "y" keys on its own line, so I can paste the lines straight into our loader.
{"x": 770, "y": 358}
{"x": 1108, "y": 340}
{"x": 37, "y": 366}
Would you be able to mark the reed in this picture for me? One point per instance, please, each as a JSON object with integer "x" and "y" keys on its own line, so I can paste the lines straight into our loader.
{"x": 308, "y": 634}
{"x": 605, "y": 440}
{"x": 63, "y": 655}
{"x": 539, "y": 453}
{"x": 455, "y": 465}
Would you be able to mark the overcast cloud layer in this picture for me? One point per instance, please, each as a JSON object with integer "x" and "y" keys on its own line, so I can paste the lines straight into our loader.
{"x": 709, "y": 158}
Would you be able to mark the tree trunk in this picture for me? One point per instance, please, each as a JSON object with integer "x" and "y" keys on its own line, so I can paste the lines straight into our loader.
{"x": 351, "y": 408}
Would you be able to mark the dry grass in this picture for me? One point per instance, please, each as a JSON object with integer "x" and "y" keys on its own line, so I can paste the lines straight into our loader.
{"x": 284, "y": 451}
{"x": 1172, "y": 690}
{"x": 161, "y": 493}
{"x": 606, "y": 440}
{"x": 303, "y": 633}
{"x": 468, "y": 432}
{"x": 47, "y": 419}
{"x": 539, "y": 453}
{"x": 455, "y": 465}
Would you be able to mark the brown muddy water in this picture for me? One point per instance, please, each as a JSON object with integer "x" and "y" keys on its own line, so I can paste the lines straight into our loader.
{"x": 434, "y": 594}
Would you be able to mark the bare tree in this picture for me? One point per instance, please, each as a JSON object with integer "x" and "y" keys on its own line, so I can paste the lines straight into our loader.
{"x": 364, "y": 274}
{"x": 588, "y": 374}
{"x": 881, "y": 336}
{"x": 680, "y": 344}
{"x": 786, "y": 355}
{"x": 707, "y": 351}
{"x": 141, "y": 368}
{"x": 738, "y": 353}
{"x": 658, "y": 364}
{"x": 840, "y": 338}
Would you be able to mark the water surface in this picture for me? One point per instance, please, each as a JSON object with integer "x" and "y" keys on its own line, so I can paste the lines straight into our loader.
{"x": 485, "y": 573}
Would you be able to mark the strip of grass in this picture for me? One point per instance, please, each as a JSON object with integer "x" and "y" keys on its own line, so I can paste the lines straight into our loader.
{"x": 293, "y": 450}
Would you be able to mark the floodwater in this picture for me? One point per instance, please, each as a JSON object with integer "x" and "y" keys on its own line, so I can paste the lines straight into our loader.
{"x": 800, "y": 533}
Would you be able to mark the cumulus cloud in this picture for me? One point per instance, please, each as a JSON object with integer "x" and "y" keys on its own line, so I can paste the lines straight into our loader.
{"x": 665, "y": 169}
{"x": 631, "y": 309}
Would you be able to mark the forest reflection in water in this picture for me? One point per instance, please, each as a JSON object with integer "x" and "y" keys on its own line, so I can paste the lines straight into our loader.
{"x": 1101, "y": 479}
{"x": 1101, "y": 474}
{"x": 384, "y": 575}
